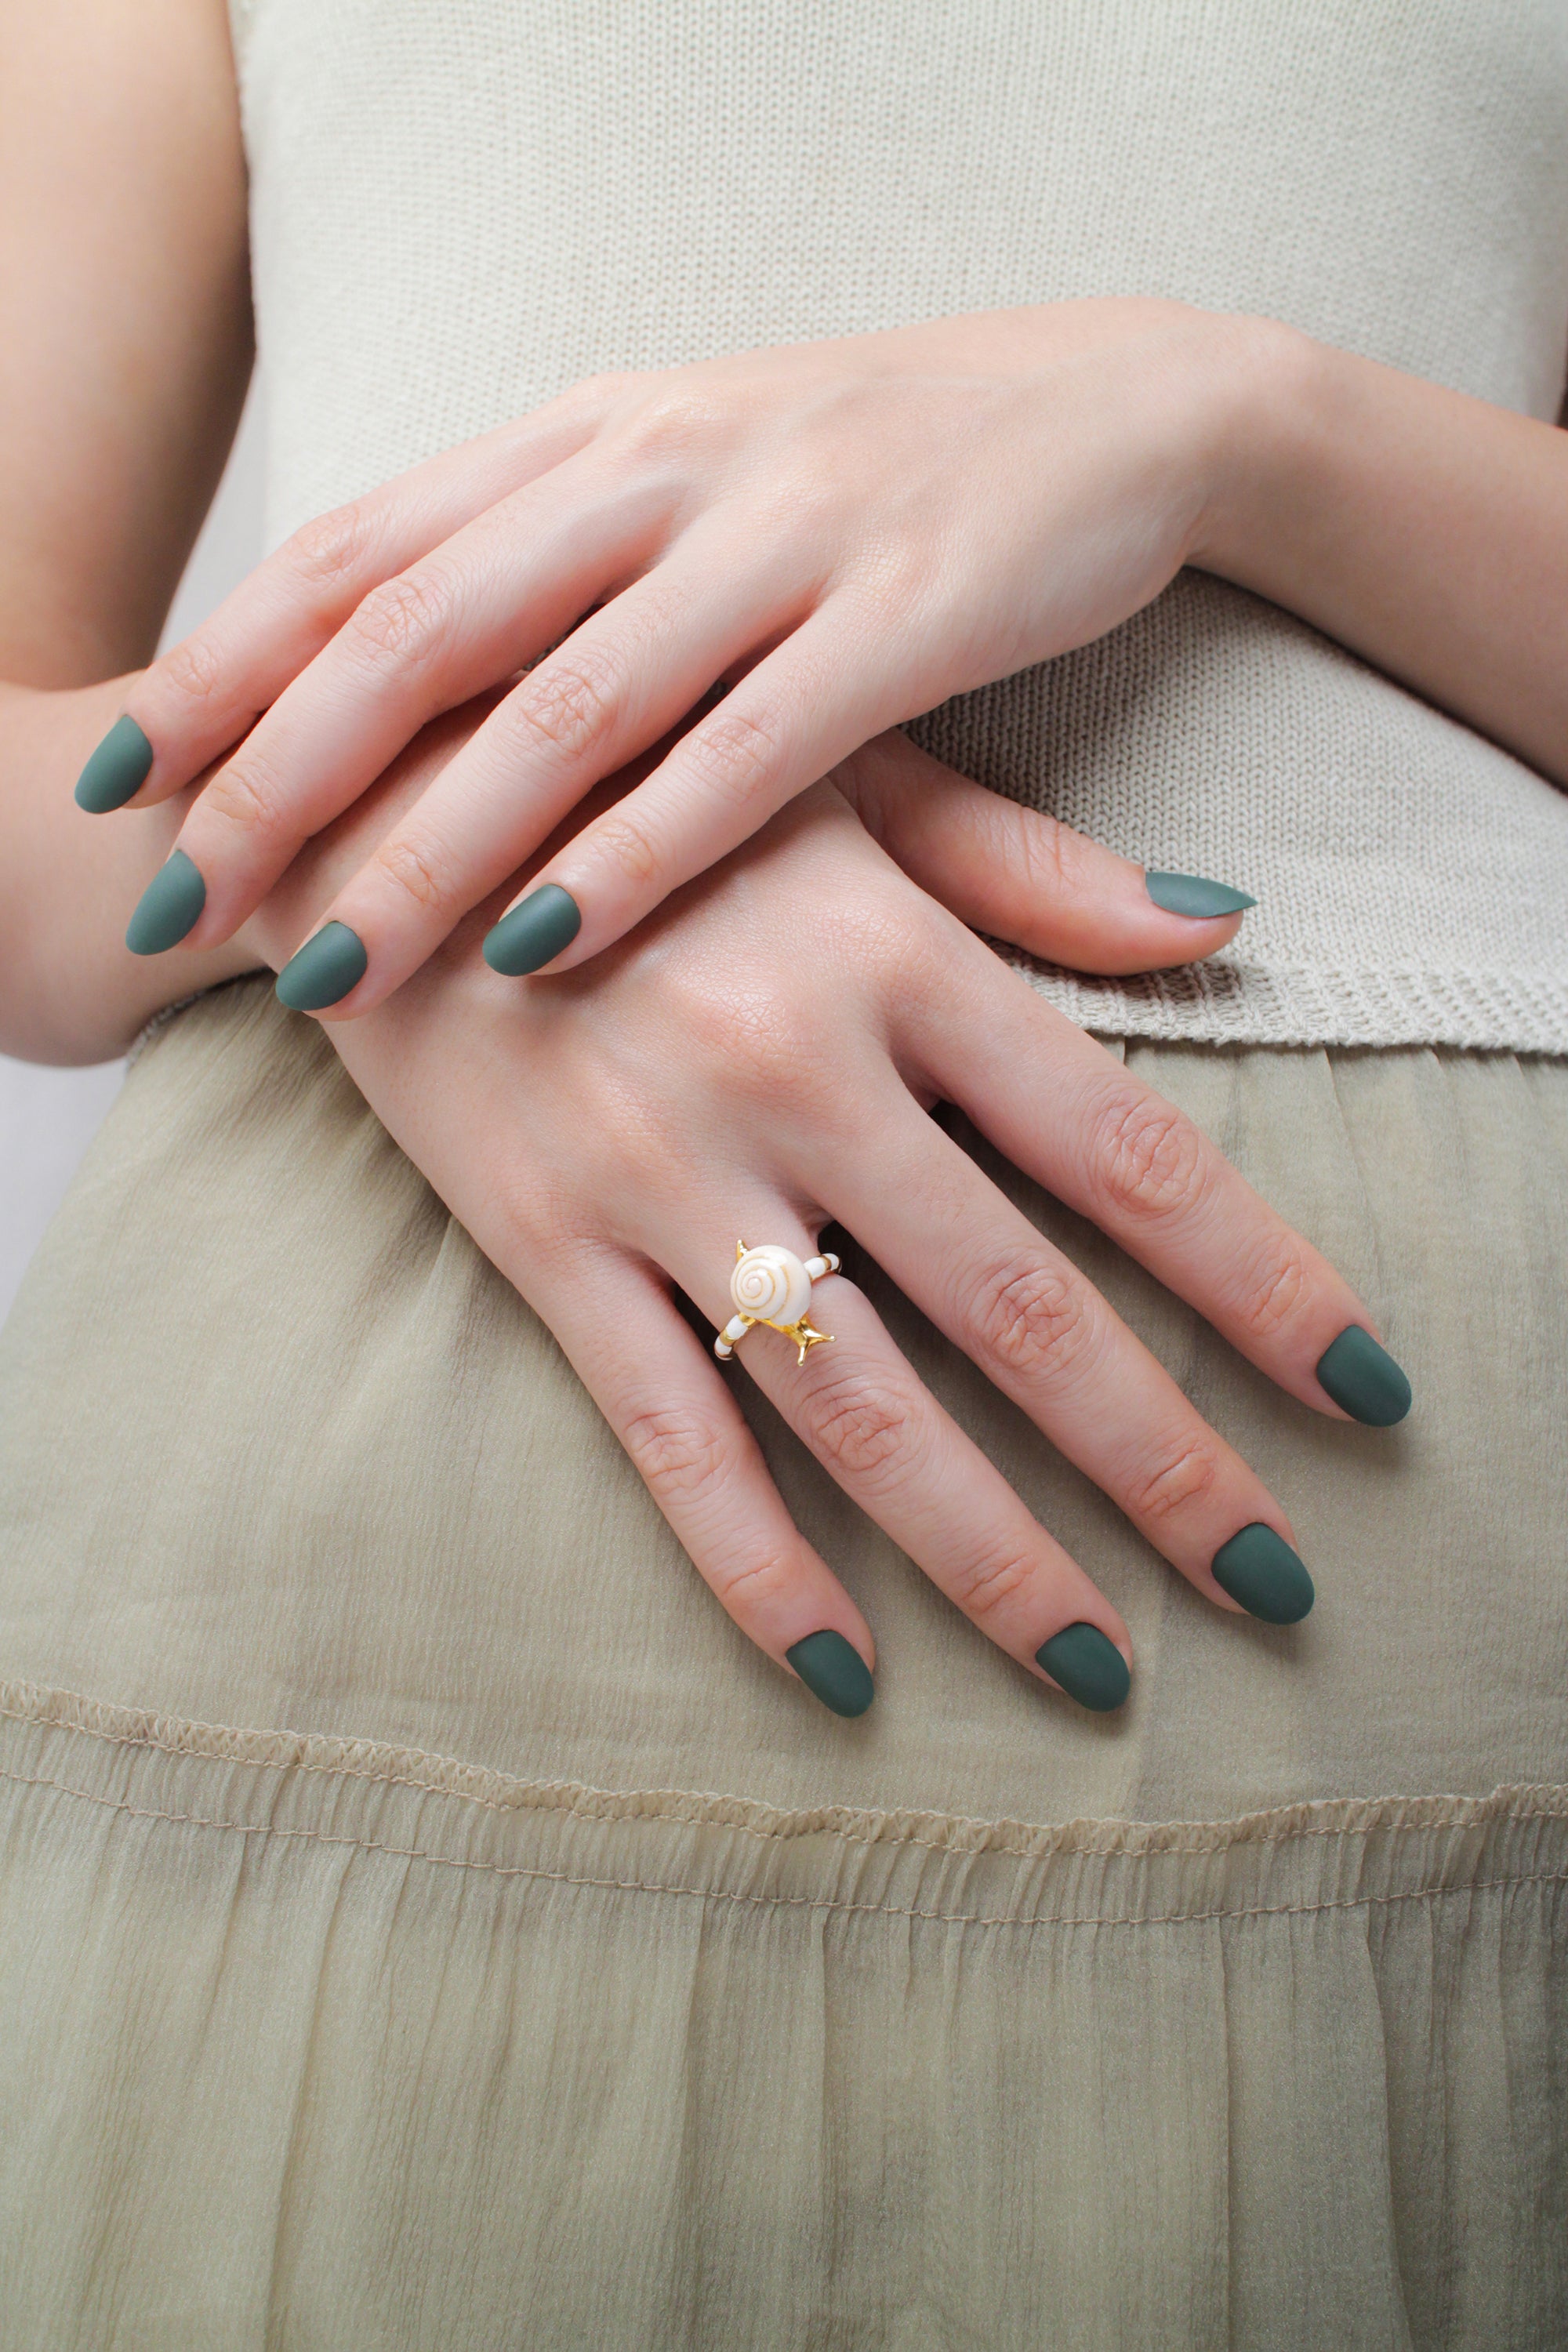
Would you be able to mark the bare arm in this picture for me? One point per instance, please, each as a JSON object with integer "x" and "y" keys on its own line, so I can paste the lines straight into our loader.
{"x": 1425, "y": 530}
{"x": 125, "y": 293}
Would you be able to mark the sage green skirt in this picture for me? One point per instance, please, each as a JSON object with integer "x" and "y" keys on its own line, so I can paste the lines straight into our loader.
{"x": 425, "y": 1922}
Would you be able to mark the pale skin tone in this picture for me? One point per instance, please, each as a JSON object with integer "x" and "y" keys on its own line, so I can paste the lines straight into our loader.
{"x": 844, "y": 533}
{"x": 1424, "y": 530}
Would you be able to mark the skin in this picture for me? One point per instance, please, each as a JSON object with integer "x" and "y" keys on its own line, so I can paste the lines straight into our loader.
{"x": 715, "y": 1063}
{"x": 707, "y": 1077}
{"x": 845, "y": 534}
{"x": 122, "y": 239}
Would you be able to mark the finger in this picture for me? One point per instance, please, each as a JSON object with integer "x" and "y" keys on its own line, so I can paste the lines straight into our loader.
{"x": 618, "y": 684}
{"x": 1142, "y": 1171}
{"x": 881, "y": 1435}
{"x": 1045, "y": 1335}
{"x": 789, "y": 721}
{"x": 664, "y": 1397}
{"x": 203, "y": 694}
{"x": 485, "y": 604}
{"x": 1020, "y": 875}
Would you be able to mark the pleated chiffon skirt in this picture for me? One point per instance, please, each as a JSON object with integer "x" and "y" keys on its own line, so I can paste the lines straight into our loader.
{"x": 425, "y": 1922}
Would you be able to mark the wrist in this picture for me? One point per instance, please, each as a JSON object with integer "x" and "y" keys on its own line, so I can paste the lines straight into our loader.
{"x": 1264, "y": 383}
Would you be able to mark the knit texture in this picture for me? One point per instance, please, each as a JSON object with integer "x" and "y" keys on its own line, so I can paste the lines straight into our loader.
{"x": 459, "y": 209}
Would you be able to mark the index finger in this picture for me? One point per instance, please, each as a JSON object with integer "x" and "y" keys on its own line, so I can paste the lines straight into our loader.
{"x": 200, "y": 698}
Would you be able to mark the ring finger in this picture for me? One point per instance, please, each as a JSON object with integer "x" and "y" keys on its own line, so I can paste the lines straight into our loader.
{"x": 861, "y": 1410}
{"x": 662, "y": 1394}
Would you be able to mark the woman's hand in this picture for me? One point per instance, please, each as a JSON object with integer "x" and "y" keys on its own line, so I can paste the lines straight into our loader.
{"x": 758, "y": 1061}
{"x": 845, "y": 534}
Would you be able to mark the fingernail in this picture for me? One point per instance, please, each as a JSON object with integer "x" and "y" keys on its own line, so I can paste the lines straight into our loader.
{"x": 1258, "y": 1569}
{"x": 1189, "y": 894}
{"x": 1364, "y": 1378}
{"x": 543, "y": 923}
{"x": 1088, "y": 1666}
{"x": 323, "y": 970}
{"x": 831, "y": 1668}
{"x": 168, "y": 906}
{"x": 117, "y": 770}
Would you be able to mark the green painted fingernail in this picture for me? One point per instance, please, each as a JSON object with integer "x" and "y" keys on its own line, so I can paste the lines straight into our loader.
{"x": 537, "y": 928}
{"x": 833, "y": 1671}
{"x": 1088, "y": 1666}
{"x": 323, "y": 970}
{"x": 117, "y": 770}
{"x": 1189, "y": 894}
{"x": 169, "y": 905}
{"x": 1364, "y": 1378}
{"x": 1258, "y": 1569}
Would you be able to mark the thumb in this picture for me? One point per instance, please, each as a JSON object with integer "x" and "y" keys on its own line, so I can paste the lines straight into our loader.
{"x": 1023, "y": 877}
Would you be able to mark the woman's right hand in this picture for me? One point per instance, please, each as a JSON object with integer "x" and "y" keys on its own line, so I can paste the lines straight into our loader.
{"x": 759, "y": 1061}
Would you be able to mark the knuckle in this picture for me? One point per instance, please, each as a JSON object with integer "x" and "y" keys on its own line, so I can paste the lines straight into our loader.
{"x": 672, "y": 422}
{"x": 732, "y": 753}
{"x": 328, "y": 552}
{"x": 541, "y": 1215}
{"x": 402, "y": 621}
{"x": 246, "y": 795}
{"x": 625, "y": 841}
{"x": 192, "y": 670}
{"x": 1048, "y": 854}
{"x": 905, "y": 943}
{"x": 857, "y": 1425}
{"x": 1185, "y": 1473}
{"x": 1147, "y": 1157}
{"x": 1031, "y": 1314}
{"x": 984, "y": 1585}
{"x": 680, "y": 1454}
{"x": 892, "y": 583}
{"x": 793, "y": 503}
{"x": 762, "y": 1044}
{"x": 605, "y": 384}
{"x": 1275, "y": 1289}
{"x": 567, "y": 706}
{"x": 421, "y": 869}
{"x": 748, "y": 1583}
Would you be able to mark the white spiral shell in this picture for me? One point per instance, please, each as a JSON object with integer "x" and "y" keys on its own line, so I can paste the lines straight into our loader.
{"x": 771, "y": 1286}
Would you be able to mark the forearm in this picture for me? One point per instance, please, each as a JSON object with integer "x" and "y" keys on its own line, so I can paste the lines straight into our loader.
{"x": 70, "y": 991}
{"x": 1425, "y": 530}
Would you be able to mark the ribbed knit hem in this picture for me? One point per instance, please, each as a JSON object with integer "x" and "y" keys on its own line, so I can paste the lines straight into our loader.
{"x": 1224, "y": 1003}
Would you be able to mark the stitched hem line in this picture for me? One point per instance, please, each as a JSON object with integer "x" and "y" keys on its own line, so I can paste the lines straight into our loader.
{"x": 1222, "y": 1003}
{"x": 787, "y": 1902}
{"x": 482, "y": 1787}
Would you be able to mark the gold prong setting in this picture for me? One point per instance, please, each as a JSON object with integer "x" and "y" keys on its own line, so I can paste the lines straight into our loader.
{"x": 772, "y": 1286}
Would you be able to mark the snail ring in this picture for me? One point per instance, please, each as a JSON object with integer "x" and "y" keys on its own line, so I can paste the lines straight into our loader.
{"x": 772, "y": 1286}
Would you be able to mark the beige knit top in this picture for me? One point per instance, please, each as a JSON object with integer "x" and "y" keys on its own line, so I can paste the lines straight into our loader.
{"x": 459, "y": 207}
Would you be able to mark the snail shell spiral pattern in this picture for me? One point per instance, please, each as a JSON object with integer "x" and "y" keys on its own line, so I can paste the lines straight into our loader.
{"x": 771, "y": 1286}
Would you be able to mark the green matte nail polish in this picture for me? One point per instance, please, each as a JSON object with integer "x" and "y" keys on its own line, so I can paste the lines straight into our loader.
{"x": 1364, "y": 1378}
{"x": 1088, "y": 1666}
{"x": 169, "y": 907}
{"x": 1189, "y": 894}
{"x": 833, "y": 1671}
{"x": 1258, "y": 1569}
{"x": 537, "y": 928}
{"x": 117, "y": 770}
{"x": 323, "y": 970}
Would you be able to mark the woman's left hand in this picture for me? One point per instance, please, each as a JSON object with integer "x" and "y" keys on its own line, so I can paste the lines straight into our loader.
{"x": 843, "y": 534}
